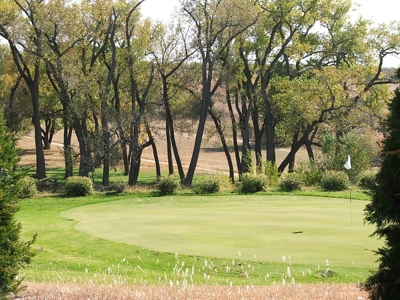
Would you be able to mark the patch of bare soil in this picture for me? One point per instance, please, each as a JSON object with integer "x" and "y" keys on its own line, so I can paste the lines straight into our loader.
{"x": 40, "y": 291}
{"x": 211, "y": 159}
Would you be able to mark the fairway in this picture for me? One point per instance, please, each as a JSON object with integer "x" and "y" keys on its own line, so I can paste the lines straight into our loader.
{"x": 308, "y": 230}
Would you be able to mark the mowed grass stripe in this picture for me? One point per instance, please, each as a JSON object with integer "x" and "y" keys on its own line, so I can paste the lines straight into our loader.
{"x": 309, "y": 230}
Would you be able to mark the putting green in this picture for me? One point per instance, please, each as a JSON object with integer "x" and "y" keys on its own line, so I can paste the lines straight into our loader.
{"x": 307, "y": 230}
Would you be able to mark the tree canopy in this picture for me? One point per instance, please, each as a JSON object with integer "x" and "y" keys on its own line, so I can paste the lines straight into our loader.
{"x": 264, "y": 72}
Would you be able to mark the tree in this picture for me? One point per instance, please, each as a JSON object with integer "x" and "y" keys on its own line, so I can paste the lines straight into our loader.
{"x": 13, "y": 95}
{"x": 24, "y": 38}
{"x": 170, "y": 53}
{"x": 336, "y": 85}
{"x": 137, "y": 45}
{"x": 276, "y": 33}
{"x": 14, "y": 252}
{"x": 384, "y": 211}
{"x": 216, "y": 24}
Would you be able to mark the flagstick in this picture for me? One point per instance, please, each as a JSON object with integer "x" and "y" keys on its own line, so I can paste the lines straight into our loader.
{"x": 347, "y": 166}
{"x": 351, "y": 211}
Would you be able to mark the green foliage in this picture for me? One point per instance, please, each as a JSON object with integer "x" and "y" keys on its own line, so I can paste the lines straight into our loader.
{"x": 384, "y": 211}
{"x": 247, "y": 162}
{"x": 367, "y": 180}
{"x": 272, "y": 173}
{"x": 291, "y": 182}
{"x": 27, "y": 187}
{"x": 168, "y": 185}
{"x": 311, "y": 172}
{"x": 208, "y": 184}
{"x": 77, "y": 186}
{"x": 383, "y": 285}
{"x": 335, "y": 150}
{"x": 14, "y": 252}
{"x": 335, "y": 181}
{"x": 252, "y": 183}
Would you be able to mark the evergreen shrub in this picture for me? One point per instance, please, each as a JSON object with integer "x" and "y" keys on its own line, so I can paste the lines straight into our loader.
{"x": 15, "y": 253}
{"x": 383, "y": 211}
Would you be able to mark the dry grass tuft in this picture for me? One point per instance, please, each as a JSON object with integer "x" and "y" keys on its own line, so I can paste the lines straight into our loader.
{"x": 37, "y": 291}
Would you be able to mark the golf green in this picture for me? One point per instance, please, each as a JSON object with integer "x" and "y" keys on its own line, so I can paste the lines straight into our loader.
{"x": 308, "y": 230}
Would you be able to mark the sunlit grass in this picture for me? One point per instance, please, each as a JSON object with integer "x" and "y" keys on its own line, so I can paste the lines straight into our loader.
{"x": 69, "y": 256}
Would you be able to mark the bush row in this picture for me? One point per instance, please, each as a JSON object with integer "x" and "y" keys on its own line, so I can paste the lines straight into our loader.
{"x": 250, "y": 183}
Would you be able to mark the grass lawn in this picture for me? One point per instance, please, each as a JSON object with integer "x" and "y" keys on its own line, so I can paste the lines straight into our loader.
{"x": 220, "y": 239}
{"x": 266, "y": 228}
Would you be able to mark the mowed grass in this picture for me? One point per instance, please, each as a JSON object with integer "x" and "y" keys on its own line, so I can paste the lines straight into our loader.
{"x": 222, "y": 239}
{"x": 309, "y": 230}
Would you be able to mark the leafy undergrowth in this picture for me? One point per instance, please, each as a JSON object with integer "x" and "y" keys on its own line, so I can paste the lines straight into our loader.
{"x": 121, "y": 292}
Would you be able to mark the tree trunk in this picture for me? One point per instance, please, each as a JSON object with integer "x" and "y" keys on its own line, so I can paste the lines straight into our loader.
{"x": 296, "y": 145}
{"x": 171, "y": 135}
{"x": 246, "y": 148}
{"x": 217, "y": 123}
{"x": 40, "y": 160}
{"x": 234, "y": 129}
{"x": 85, "y": 160}
{"x": 106, "y": 154}
{"x": 9, "y": 111}
{"x": 156, "y": 160}
{"x": 125, "y": 157}
{"x": 154, "y": 148}
{"x": 48, "y": 132}
{"x": 136, "y": 153}
{"x": 68, "y": 153}
{"x": 176, "y": 154}
{"x": 269, "y": 129}
{"x": 205, "y": 103}
{"x": 257, "y": 141}
{"x": 169, "y": 149}
{"x": 293, "y": 157}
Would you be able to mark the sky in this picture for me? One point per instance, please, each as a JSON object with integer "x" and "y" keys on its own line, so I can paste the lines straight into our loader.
{"x": 381, "y": 11}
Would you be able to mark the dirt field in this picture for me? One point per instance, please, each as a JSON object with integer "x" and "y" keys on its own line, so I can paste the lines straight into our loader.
{"x": 211, "y": 159}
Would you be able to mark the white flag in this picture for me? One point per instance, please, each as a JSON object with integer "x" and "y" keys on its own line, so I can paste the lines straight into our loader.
{"x": 347, "y": 165}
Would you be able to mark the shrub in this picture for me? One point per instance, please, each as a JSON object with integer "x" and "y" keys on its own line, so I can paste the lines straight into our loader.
{"x": 77, "y": 186}
{"x": 335, "y": 150}
{"x": 15, "y": 253}
{"x": 311, "y": 172}
{"x": 384, "y": 209}
{"x": 27, "y": 187}
{"x": 168, "y": 185}
{"x": 208, "y": 184}
{"x": 252, "y": 183}
{"x": 271, "y": 171}
{"x": 367, "y": 180}
{"x": 335, "y": 181}
{"x": 291, "y": 182}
